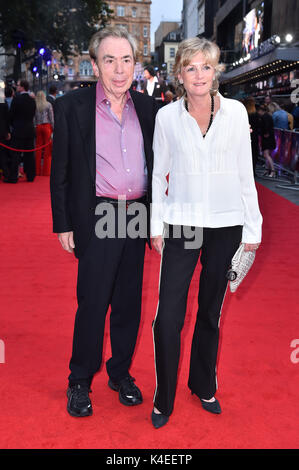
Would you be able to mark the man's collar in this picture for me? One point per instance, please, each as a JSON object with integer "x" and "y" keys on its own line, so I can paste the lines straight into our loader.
{"x": 101, "y": 96}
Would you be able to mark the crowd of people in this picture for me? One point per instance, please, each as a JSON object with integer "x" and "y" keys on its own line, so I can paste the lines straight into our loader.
{"x": 264, "y": 118}
{"x": 27, "y": 123}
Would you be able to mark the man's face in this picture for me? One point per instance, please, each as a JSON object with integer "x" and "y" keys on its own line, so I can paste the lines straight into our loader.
{"x": 19, "y": 87}
{"x": 115, "y": 66}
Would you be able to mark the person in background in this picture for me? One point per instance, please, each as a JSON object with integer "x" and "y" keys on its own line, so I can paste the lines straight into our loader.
{"x": 4, "y": 134}
{"x": 288, "y": 108}
{"x": 22, "y": 112}
{"x": 52, "y": 94}
{"x": 295, "y": 114}
{"x": 152, "y": 86}
{"x": 267, "y": 100}
{"x": 44, "y": 122}
{"x": 255, "y": 124}
{"x": 9, "y": 94}
{"x": 279, "y": 116}
{"x": 268, "y": 139}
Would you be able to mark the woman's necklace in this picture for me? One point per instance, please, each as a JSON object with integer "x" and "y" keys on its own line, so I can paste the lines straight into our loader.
{"x": 212, "y": 113}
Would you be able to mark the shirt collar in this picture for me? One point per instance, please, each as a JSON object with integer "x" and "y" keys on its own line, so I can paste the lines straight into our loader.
{"x": 101, "y": 96}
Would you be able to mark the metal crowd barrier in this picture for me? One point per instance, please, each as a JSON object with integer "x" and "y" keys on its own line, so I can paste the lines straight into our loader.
{"x": 286, "y": 158}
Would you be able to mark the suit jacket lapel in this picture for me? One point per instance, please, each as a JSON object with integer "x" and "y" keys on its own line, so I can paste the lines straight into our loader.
{"x": 86, "y": 112}
{"x": 142, "y": 116}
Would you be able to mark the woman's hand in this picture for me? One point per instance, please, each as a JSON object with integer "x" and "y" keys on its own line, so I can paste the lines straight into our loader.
{"x": 157, "y": 243}
{"x": 251, "y": 246}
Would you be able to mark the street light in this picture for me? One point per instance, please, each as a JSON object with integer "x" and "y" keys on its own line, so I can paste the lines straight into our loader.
{"x": 289, "y": 38}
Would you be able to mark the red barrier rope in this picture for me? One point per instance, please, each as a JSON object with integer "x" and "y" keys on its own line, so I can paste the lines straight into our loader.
{"x": 22, "y": 150}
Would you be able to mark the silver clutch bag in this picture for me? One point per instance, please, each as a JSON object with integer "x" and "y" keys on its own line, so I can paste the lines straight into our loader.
{"x": 241, "y": 263}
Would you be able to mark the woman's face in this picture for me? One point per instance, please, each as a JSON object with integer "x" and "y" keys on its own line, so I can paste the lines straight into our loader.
{"x": 197, "y": 76}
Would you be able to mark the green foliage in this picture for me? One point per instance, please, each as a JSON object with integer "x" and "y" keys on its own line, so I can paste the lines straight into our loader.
{"x": 64, "y": 25}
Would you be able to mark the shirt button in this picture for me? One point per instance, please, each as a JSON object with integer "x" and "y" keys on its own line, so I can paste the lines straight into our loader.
{"x": 130, "y": 190}
{"x": 125, "y": 150}
{"x": 128, "y": 170}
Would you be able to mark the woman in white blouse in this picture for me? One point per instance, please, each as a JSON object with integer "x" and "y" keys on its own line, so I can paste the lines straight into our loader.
{"x": 203, "y": 185}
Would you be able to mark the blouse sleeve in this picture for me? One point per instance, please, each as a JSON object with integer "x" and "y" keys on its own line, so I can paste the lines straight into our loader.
{"x": 159, "y": 181}
{"x": 252, "y": 229}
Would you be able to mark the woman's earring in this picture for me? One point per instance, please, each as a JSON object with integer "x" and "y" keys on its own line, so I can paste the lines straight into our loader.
{"x": 181, "y": 82}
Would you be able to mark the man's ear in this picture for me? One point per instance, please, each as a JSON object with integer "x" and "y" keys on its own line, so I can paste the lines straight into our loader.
{"x": 95, "y": 68}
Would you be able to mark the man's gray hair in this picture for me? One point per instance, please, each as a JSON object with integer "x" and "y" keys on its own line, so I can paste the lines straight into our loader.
{"x": 114, "y": 32}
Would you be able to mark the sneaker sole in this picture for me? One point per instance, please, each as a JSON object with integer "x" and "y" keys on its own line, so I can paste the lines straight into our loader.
{"x": 77, "y": 415}
{"x": 115, "y": 388}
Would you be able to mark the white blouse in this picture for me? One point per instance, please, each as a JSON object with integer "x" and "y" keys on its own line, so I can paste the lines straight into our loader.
{"x": 211, "y": 181}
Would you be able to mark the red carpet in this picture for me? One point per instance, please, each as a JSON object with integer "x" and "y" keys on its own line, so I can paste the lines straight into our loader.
{"x": 258, "y": 382}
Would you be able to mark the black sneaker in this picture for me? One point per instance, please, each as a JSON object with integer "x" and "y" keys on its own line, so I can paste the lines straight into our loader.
{"x": 129, "y": 393}
{"x": 79, "y": 403}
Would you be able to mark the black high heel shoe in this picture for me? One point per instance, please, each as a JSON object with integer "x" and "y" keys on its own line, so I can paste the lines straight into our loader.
{"x": 159, "y": 420}
{"x": 211, "y": 406}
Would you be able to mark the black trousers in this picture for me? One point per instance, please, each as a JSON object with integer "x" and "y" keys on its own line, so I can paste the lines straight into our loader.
{"x": 177, "y": 267}
{"x": 110, "y": 273}
{"x": 15, "y": 159}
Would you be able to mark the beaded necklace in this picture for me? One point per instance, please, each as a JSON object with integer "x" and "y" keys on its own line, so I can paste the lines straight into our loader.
{"x": 212, "y": 113}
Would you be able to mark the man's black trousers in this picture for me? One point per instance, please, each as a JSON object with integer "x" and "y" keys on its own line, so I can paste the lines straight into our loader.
{"x": 110, "y": 274}
{"x": 177, "y": 267}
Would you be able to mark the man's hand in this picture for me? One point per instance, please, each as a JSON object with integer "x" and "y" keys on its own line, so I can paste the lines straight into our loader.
{"x": 67, "y": 241}
{"x": 157, "y": 243}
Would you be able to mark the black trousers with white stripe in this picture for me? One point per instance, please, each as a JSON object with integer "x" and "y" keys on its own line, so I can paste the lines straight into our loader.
{"x": 177, "y": 267}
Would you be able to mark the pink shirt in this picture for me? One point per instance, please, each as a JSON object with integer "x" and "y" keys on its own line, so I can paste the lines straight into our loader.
{"x": 120, "y": 160}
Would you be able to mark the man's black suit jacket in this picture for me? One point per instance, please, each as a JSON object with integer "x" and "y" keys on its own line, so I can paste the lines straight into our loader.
{"x": 73, "y": 170}
{"x": 21, "y": 114}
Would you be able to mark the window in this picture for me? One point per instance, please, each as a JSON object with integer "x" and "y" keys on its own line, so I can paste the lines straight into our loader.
{"x": 135, "y": 30}
{"x": 145, "y": 49}
{"x": 145, "y": 31}
{"x": 172, "y": 52}
{"x": 120, "y": 11}
{"x": 70, "y": 71}
{"x": 173, "y": 36}
{"x": 134, "y": 12}
{"x": 86, "y": 68}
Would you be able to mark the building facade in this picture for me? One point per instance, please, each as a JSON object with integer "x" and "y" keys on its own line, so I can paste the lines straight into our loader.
{"x": 260, "y": 47}
{"x": 135, "y": 15}
{"x": 198, "y": 18}
{"x": 167, "y": 52}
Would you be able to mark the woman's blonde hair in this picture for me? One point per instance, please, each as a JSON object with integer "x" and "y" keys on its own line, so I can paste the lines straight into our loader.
{"x": 188, "y": 49}
{"x": 41, "y": 101}
{"x": 119, "y": 32}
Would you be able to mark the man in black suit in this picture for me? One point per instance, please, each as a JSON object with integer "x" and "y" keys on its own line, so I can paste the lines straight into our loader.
{"x": 4, "y": 134}
{"x": 102, "y": 159}
{"x": 22, "y": 112}
{"x": 152, "y": 86}
{"x": 52, "y": 94}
